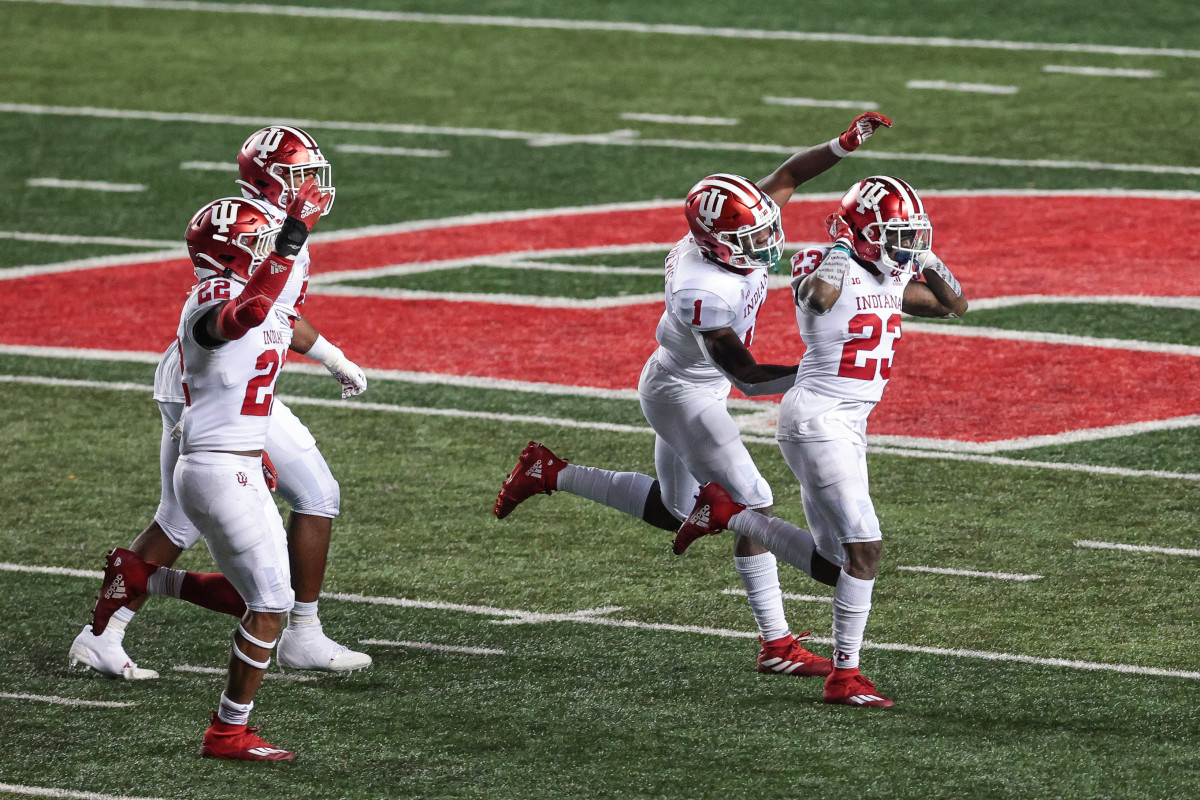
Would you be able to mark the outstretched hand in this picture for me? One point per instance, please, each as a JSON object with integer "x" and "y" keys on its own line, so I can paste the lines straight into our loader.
{"x": 861, "y": 129}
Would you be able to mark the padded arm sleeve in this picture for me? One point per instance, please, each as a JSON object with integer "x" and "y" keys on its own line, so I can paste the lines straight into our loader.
{"x": 254, "y": 303}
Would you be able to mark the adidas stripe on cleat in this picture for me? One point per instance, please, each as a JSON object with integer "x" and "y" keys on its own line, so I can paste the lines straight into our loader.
{"x": 849, "y": 687}
{"x": 125, "y": 577}
{"x": 710, "y": 515}
{"x": 536, "y": 472}
{"x": 786, "y": 656}
{"x": 239, "y": 743}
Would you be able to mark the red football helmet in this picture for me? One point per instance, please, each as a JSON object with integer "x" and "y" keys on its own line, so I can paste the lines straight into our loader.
{"x": 232, "y": 236}
{"x": 274, "y": 162}
{"x": 889, "y": 221}
{"x": 734, "y": 222}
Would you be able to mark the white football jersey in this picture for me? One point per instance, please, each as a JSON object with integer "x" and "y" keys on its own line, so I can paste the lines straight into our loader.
{"x": 850, "y": 349}
{"x": 168, "y": 375}
{"x": 229, "y": 389}
{"x": 701, "y": 296}
{"x": 293, "y": 294}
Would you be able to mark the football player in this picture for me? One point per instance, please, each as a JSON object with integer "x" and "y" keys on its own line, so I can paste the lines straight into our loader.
{"x": 273, "y": 163}
{"x": 849, "y": 297}
{"x": 715, "y": 283}
{"x": 233, "y": 338}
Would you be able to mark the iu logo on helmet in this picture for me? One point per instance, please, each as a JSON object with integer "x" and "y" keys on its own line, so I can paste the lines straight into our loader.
{"x": 711, "y": 204}
{"x": 870, "y": 196}
{"x": 224, "y": 215}
{"x": 267, "y": 144}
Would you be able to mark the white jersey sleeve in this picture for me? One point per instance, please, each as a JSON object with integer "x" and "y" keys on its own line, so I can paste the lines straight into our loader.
{"x": 702, "y": 296}
{"x": 295, "y": 290}
{"x": 701, "y": 309}
{"x": 168, "y": 376}
{"x": 850, "y": 349}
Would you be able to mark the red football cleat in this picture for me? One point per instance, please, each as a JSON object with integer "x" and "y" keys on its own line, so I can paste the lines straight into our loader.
{"x": 848, "y": 687}
{"x": 710, "y": 515}
{"x": 125, "y": 577}
{"x": 785, "y": 656}
{"x": 536, "y": 472}
{"x": 238, "y": 743}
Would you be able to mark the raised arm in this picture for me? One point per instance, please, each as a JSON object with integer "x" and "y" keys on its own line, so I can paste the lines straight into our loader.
{"x": 810, "y": 163}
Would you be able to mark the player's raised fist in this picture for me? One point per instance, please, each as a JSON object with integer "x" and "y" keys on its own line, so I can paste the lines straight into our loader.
{"x": 308, "y": 204}
{"x": 861, "y": 129}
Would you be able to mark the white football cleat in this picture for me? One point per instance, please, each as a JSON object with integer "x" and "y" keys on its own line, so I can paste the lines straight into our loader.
{"x": 106, "y": 655}
{"x": 307, "y": 647}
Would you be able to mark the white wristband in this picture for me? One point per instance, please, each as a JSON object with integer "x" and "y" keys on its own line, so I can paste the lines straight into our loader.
{"x": 836, "y": 147}
{"x": 324, "y": 351}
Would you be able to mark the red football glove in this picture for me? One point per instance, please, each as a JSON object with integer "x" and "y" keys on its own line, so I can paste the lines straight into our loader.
{"x": 308, "y": 204}
{"x": 269, "y": 473}
{"x": 861, "y": 129}
{"x": 840, "y": 231}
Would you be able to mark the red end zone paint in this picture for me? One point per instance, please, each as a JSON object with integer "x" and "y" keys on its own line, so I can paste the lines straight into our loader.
{"x": 946, "y": 387}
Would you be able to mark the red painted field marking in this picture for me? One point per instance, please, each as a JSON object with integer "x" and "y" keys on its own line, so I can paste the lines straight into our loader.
{"x": 999, "y": 246}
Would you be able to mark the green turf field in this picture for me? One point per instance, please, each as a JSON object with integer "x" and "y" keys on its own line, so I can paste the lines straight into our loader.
{"x": 592, "y": 663}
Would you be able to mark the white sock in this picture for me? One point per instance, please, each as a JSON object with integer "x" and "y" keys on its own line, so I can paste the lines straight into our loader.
{"x": 303, "y": 614}
{"x": 165, "y": 581}
{"x": 624, "y": 491}
{"x": 760, "y": 576}
{"x": 851, "y": 606}
{"x": 232, "y": 713}
{"x": 794, "y": 545}
{"x": 117, "y": 622}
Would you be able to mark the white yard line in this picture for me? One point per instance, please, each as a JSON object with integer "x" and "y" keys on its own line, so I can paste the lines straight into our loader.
{"x": 972, "y": 331}
{"x": 66, "y": 701}
{"x": 1028, "y": 442}
{"x": 438, "y": 648}
{"x": 1054, "y": 465}
{"x": 210, "y": 166}
{"x": 612, "y": 138}
{"x": 624, "y": 27}
{"x": 910, "y": 452}
{"x": 270, "y": 675}
{"x": 809, "y": 102}
{"x": 58, "y": 238}
{"x": 947, "y": 86}
{"x": 1137, "y": 548}
{"x": 538, "y": 301}
{"x": 91, "y": 186}
{"x": 736, "y": 634}
{"x": 982, "y": 304}
{"x": 679, "y": 120}
{"x": 73, "y": 573}
{"x": 371, "y": 150}
{"x": 1103, "y": 72}
{"x": 598, "y": 616}
{"x": 970, "y": 573}
{"x": 46, "y": 791}
{"x": 801, "y": 598}
{"x": 589, "y": 269}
